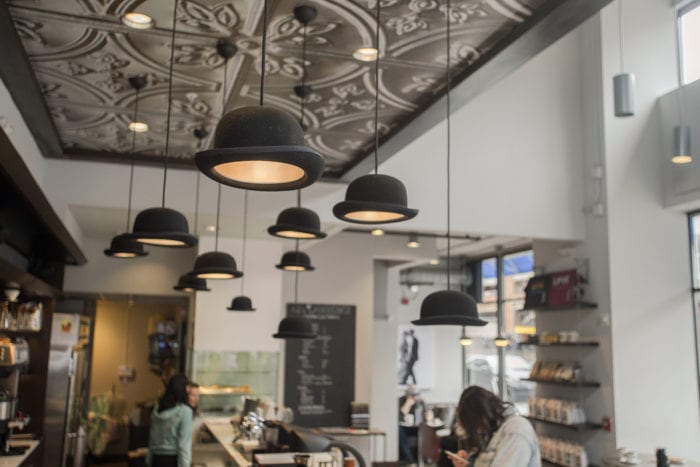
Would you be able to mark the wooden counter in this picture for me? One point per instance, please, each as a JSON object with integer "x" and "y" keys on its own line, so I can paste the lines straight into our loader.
{"x": 16, "y": 461}
{"x": 223, "y": 431}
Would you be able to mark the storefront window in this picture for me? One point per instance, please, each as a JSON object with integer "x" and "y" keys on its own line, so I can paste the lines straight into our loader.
{"x": 482, "y": 356}
{"x": 694, "y": 223}
{"x": 689, "y": 37}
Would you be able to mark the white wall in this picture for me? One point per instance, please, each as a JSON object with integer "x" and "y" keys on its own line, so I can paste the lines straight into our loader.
{"x": 216, "y": 328}
{"x": 155, "y": 274}
{"x": 516, "y": 155}
{"x": 656, "y": 392}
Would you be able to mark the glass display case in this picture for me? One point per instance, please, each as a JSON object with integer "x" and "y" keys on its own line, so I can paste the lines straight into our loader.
{"x": 227, "y": 378}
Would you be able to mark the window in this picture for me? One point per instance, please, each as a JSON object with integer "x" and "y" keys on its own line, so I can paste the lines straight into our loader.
{"x": 482, "y": 358}
{"x": 689, "y": 37}
{"x": 694, "y": 224}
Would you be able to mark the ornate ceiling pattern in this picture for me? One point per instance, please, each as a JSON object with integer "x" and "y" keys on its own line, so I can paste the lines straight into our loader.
{"x": 82, "y": 56}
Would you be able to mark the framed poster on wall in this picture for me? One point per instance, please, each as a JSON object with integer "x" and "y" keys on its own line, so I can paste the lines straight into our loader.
{"x": 416, "y": 356}
{"x": 320, "y": 373}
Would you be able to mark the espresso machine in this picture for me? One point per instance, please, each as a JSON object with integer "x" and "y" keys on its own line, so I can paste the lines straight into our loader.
{"x": 14, "y": 359}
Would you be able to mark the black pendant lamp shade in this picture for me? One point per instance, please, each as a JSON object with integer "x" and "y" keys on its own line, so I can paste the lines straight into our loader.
{"x": 260, "y": 148}
{"x": 375, "y": 199}
{"x": 162, "y": 227}
{"x": 123, "y": 246}
{"x": 295, "y": 327}
{"x": 449, "y": 307}
{"x": 297, "y": 222}
{"x": 215, "y": 265}
{"x": 188, "y": 283}
{"x": 295, "y": 261}
{"x": 241, "y": 303}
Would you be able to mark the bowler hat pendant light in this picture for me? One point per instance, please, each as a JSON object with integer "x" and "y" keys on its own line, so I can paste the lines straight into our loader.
{"x": 122, "y": 245}
{"x": 623, "y": 83}
{"x": 295, "y": 261}
{"x": 260, "y": 148}
{"x": 163, "y": 226}
{"x": 375, "y": 198}
{"x": 242, "y": 302}
{"x": 218, "y": 264}
{"x": 188, "y": 283}
{"x": 449, "y": 307}
{"x": 298, "y": 222}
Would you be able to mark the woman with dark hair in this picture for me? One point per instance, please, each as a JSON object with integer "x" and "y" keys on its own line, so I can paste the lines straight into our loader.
{"x": 494, "y": 435}
{"x": 170, "y": 439}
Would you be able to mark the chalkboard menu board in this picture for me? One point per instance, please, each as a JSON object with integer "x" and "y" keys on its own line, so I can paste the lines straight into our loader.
{"x": 320, "y": 373}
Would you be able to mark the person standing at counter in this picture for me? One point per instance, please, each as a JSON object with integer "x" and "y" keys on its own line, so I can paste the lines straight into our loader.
{"x": 193, "y": 396}
{"x": 170, "y": 439}
{"x": 494, "y": 434}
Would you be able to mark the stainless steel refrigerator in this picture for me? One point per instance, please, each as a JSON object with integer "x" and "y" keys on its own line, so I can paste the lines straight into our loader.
{"x": 67, "y": 390}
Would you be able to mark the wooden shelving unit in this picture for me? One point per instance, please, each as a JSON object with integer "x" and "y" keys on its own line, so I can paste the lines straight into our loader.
{"x": 575, "y": 427}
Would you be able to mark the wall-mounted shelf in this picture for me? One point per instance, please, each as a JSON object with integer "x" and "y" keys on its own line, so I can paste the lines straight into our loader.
{"x": 573, "y": 307}
{"x": 575, "y": 427}
{"x": 561, "y": 344}
{"x": 545, "y": 462}
{"x": 577, "y": 384}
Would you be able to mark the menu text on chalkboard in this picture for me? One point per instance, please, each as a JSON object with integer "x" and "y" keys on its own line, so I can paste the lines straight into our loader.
{"x": 320, "y": 373}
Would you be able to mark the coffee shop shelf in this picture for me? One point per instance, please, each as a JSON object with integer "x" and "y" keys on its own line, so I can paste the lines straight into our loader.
{"x": 578, "y": 384}
{"x": 561, "y": 344}
{"x": 547, "y": 463}
{"x": 575, "y": 427}
{"x": 573, "y": 307}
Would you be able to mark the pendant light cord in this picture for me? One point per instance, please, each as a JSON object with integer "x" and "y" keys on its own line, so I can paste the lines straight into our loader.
{"x": 170, "y": 101}
{"x": 449, "y": 77}
{"x": 262, "y": 57}
{"x": 621, "y": 37}
{"x": 296, "y": 274}
{"x": 302, "y": 98}
{"x": 218, "y": 210}
{"x": 376, "y": 95}
{"x": 245, "y": 236}
{"x": 196, "y": 203}
{"x": 131, "y": 172}
{"x": 679, "y": 65}
{"x": 299, "y": 198}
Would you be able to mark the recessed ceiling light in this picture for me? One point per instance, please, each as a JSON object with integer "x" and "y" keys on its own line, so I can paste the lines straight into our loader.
{"x": 365, "y": 54}
{"x": 434, "y": 261}
{"x": 138, "y": 127}
{"x": 138, "y": 20}
{"x": 210, "y": 228}
{"x": 377, "y": 232}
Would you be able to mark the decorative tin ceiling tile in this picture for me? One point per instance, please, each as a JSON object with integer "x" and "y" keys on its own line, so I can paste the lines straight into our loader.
{"x": 82, "y": 56}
